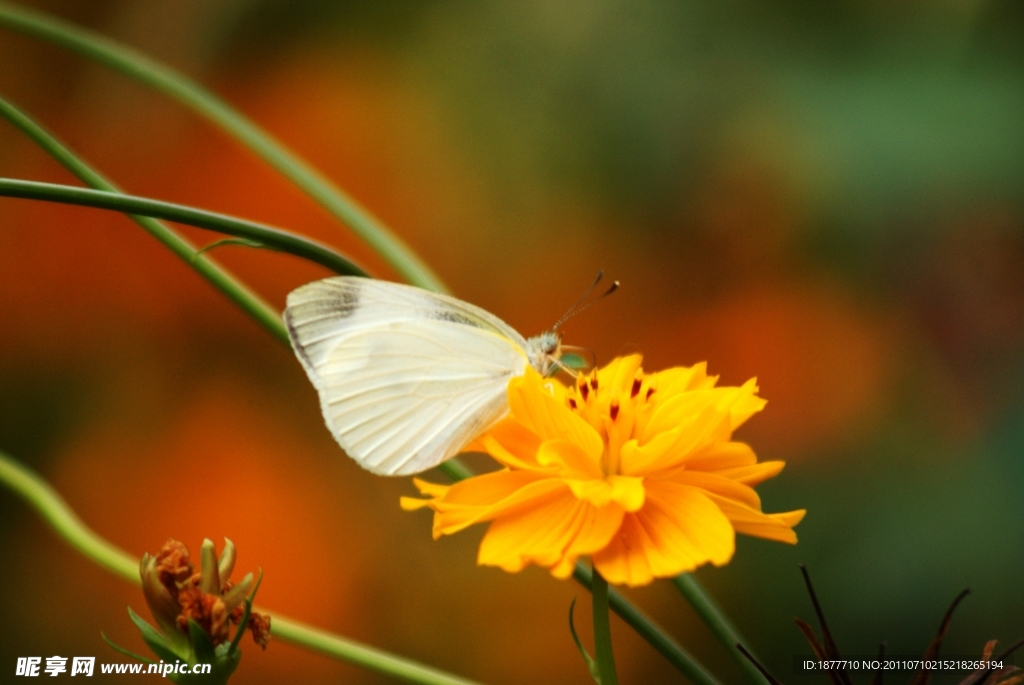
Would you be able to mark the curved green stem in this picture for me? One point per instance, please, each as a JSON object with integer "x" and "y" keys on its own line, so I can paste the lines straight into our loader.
{"x": 168, "y": 81}
{"x": 130, "y": 204}
{"x": 56, "y": 512}
{"x": 222, "y": 280}
{"x": 603, "y": 656}
{"x": 719, "y": 624}
{"x": 649, "y": 631}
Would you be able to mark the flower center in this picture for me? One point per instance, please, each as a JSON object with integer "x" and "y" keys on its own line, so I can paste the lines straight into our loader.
{"x": 617, "y": 410}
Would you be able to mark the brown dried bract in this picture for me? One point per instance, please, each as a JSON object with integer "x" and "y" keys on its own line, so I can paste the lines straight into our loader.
{"x": 173, "y": 565}
{"x": 205, "y": 609}
{"x": 259, "y": 624}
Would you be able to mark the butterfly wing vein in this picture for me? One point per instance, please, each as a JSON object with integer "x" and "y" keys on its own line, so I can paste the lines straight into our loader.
{"x": 406, "y": 378}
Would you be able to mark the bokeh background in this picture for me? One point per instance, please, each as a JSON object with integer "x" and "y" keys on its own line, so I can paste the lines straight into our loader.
{"x": 827, "y": 196}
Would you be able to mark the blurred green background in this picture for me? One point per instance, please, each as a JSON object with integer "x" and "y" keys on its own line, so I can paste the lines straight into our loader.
{"x": 827, "y": 196}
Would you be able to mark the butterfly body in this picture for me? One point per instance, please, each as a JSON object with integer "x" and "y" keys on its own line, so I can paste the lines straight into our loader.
{"x": 406, "y": 377}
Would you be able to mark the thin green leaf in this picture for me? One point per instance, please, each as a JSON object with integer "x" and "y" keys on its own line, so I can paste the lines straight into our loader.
{"x": 153, "y": 639}
{"x": 202, "y": 645}
{"x": 244, "y": 623}
{"x": 595, "y": 673}
{"x": 126, "y": 652}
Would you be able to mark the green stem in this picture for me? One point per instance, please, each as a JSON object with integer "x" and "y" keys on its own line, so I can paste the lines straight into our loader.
{"x": 222, "y": 280}
{"x": 602, "y": 631}
{"x": 369, "y": 658}
{"x": 720, "y": 626}
{"x": 130, "y": 204}
{"x": 189, "y": 93}
{"x": 649, "y": 631}
{"x": 455, "y": 470}
{"x": 56, "y": 512}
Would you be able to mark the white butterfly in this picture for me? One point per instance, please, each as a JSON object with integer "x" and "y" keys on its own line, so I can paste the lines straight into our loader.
{"x": 407, "y": 377}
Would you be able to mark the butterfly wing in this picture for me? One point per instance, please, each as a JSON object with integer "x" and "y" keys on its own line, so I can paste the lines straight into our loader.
{"x": 406, "y": 377}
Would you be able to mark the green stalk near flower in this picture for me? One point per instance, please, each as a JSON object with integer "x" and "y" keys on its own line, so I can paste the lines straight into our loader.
{"x": 56, "y": 512}
{"x": 603, "y": 656}
{"x": 142, "y": 68}
{"x": 720, "y": 626}
{"x": 649, "y": 631}
{"x": 265, "y": 236}
{"x": 221, "y": 279}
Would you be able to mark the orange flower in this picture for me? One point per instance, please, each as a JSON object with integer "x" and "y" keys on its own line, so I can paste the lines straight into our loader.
{"x": 638, "y": 471}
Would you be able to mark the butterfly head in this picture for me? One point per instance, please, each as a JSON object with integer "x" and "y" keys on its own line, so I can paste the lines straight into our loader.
{"x": 544, "y": 350}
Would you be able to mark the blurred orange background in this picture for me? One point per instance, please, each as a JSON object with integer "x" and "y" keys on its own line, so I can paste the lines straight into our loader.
{"x": 826, "y": 198}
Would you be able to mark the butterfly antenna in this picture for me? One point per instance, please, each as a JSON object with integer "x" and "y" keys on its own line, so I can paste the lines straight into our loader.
{"x": 579, "y": 305}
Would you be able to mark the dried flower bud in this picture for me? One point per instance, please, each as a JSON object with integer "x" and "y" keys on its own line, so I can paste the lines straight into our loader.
{"x": 195, "y": 611}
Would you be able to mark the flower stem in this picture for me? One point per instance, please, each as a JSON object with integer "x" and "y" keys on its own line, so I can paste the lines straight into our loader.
{"x": 267, "y": 236}
{"x": 602, "y": 631}
{"x": 221, "y": 279}
{"x": 189, "y": 93}
{"x": 716, "y": 620}
{"x": 649, "y": 631}
{"x": 56, "y": 512}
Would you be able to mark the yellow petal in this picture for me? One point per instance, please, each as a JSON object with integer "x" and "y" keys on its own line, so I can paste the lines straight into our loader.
{"x": 693, "y": 436}
{"x": 623, "y": 490}
{"x": 721, "y": 486}
{"x": 745, "y": 404}
{"x": 512, "y": 458}
{"x": 755, "y": 473}
{"x": 619, "y": 373}
{"x": 412, "y": 503}
{"x": 636, "y": 459}
{"x": 683, "y": 378}
{"x": 778, "y": 527}
{"x": 569, "y": 460}
{"x": 675, "y": 410}
{"x": 552, "y": 534}
{"x": 722, "y": 455}
{"x": 511, "y": 439}
{"x": 488, "y": 488}
{"x": 628, "y": 491}
{"x": 482, "y": 497}
{"x": 547, "y": 417}
{"x": 428, "y": 488}
{"x": 678, "y": 529}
